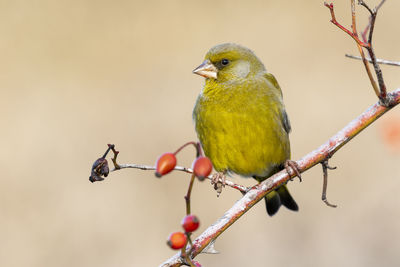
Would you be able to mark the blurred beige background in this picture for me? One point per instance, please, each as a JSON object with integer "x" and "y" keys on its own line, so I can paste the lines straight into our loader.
{"x": 76, "y": 75}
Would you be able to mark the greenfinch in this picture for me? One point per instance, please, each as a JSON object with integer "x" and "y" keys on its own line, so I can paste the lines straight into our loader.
{"x": 240, "y": 119}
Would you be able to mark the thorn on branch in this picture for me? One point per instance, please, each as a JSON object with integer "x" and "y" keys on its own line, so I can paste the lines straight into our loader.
{"x": 210, "y": 248}
{"x": 325, "y": 168}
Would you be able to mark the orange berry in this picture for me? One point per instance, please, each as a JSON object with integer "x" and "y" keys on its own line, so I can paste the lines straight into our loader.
{"x": 202, "y": 167}
{"x": 190, "y": 223}
{"x": 177, "y": 240}
{"x": 165, "y": 163}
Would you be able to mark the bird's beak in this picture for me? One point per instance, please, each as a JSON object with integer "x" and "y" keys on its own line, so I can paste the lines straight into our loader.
{"x": 207, "y": 70}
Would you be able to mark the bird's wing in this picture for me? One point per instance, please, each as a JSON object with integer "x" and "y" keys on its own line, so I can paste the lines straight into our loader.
{"x": 285, "y": 119}
{"x": 271, "y": 78}
{"x": 286, "y": 122}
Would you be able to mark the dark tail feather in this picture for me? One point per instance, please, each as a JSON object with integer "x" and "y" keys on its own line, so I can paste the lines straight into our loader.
{"x": 272, "y": 202}
{"x": 286, "y": 199}
{"x": 279, "y": 197}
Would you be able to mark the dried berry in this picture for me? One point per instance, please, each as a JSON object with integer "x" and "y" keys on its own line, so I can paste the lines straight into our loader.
{"x": 99, "y": 169}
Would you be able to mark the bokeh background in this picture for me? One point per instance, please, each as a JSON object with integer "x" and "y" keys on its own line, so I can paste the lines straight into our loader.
{"x": 76, "y": 75}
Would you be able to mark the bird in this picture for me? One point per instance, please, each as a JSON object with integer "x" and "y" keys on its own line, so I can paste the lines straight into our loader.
{"x": 241, "y": 121}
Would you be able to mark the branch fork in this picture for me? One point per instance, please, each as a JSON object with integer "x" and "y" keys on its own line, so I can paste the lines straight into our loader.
{"x": 380, "y": 87}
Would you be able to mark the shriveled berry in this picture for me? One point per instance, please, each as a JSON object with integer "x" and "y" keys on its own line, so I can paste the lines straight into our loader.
{"x": 99, "y": 170}
{"x": 165, "y": 163}
{"x": 202, "y": 167}
{"x": 190, "y": 223}
{"x": 177, "y": 240}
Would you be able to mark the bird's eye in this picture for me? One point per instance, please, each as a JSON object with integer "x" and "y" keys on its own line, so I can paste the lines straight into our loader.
{"x": 224, "y": 62}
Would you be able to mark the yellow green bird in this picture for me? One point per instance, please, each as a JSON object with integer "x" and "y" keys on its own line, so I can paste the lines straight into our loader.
{"x": 241, "y": 120}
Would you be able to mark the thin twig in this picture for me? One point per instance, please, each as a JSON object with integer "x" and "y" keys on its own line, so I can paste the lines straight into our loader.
{"x": 378, "y": 71}
{"x": 186, "y": 258}
{"x": 380, "y": 90}
{"x": 380, "y": 4}
{"x": 259, "y": 191}
{"x": 187, "y": 201}
{"x": 353, "y": 18}
{"x": 325, "y": 168}
{"x": 366, "y": 65}
{"x": 340, "y": 26}
{"x": 379, "y": 61}
{"x": 188, "y": 194}
{"x": 364, "y": 33}
{"x": 229, "y": 183}
{"x": 195, "y": 144}
{"x": 114, "y": 159}
{"x": 360, "y": 44}
{"x": 369, "y": 73}
{"x": 107, "y": 151}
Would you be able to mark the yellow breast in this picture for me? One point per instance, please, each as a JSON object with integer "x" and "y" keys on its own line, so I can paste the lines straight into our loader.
{"x": 240, "y": 126}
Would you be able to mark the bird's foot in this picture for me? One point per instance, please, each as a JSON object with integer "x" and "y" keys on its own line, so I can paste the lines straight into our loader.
{"x": 290, "y": 166}
{"x": 219, "y": 181}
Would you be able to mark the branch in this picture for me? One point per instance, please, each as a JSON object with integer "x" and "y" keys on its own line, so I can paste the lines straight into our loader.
{"x": 325, "y": 168}
{"x": 340, "y": 26}
{"x": 364, "y": 33}
{"x": 353, "y": 34}
{"x": 239, "y": 187}
{"x": 259, "y": 191}
{"x": 380, "y": 90}
{"x": 379, "y": 61}
{"x": 370, "y": 49}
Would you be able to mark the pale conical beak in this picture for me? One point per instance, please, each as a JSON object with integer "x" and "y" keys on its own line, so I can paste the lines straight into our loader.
{"x": 207, "y": 70}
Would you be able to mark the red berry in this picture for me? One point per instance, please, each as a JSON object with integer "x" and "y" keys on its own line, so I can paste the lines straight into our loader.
{"x": 196, "y": 263}
{"x": 190, "y": 223}
{"x": 177, "y": 240}
{"x": 202, "y": 167}
{"x": 165, "y": 163}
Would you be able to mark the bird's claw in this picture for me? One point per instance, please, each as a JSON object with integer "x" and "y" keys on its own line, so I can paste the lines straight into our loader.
{"x": 291, "y": 165}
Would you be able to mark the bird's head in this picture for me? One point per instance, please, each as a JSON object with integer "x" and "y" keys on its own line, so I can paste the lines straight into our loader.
{"x": 229, "y": 62}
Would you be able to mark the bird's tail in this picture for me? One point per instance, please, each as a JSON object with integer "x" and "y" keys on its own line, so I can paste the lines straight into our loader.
{"x": 278, "y": 197}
